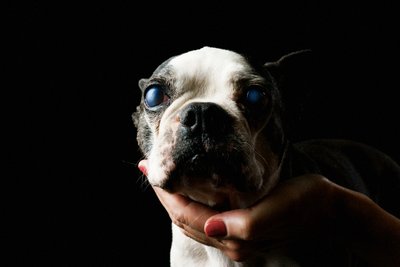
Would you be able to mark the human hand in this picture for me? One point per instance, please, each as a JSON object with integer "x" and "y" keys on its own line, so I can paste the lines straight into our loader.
{"x": 300, "y": 208}
{"x": 294, "y": 209}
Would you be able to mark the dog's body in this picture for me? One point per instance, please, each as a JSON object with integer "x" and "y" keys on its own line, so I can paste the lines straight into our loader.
{"x": 211, "y": 126}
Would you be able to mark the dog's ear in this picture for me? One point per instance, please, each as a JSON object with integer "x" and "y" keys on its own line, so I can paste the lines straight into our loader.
{"x": 293, "y": 62}
{"x": 292, "y": 74}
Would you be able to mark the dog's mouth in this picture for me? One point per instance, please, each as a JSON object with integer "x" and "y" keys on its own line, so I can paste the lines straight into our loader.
{"x": 219, "y": 202}
{"x": 213, "y": 178}
{"x": 215, "y": 169}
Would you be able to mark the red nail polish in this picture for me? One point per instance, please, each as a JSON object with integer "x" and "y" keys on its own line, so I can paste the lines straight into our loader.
{"x": 143, "y": 169}
{"x": 215, "y": 229}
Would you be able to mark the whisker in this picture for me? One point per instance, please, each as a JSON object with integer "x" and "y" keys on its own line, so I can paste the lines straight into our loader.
{"x": 144, "y": 182}
{"x": 142, "y": 179}
{"x": 251, "y": 148}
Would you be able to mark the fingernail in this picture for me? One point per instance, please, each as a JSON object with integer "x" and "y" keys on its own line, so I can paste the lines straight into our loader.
{"x": 143, "y": 169}
{"x": 215, "y": 229}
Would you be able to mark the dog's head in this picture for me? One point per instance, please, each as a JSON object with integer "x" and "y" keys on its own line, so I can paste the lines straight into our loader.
{"x": 209, "y": 124}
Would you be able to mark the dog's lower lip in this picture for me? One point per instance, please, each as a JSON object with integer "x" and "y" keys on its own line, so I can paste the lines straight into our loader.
{"x": 219, "y": 203}
{"x": 223, "y": 206}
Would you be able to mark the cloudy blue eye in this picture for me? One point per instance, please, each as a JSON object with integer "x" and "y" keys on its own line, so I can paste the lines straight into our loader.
{"x": 255, "y": 96}
{"x": 154, "y": 96}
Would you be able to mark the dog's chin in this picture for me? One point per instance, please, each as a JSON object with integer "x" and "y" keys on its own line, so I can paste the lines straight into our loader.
{"x": 220, "y": 184}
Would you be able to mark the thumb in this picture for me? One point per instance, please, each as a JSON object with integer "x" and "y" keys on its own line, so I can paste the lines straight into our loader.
{"x": 234, "y": 224}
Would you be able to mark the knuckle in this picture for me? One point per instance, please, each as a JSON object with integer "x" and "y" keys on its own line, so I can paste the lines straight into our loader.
{"x": 246, "y": 229}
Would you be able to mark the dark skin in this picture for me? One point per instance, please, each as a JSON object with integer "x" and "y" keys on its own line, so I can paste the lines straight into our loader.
{"x": 297, "y": 208}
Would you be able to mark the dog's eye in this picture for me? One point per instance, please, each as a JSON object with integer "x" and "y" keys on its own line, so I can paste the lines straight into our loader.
{"x": 155, "y": 96}
{"x": 256, "y": 96}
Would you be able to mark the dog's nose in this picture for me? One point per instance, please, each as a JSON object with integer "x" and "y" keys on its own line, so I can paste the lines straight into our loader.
{"x": 205, "y": 117}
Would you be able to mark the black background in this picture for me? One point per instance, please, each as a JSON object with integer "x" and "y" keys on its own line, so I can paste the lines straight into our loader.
{"x": 73, "y": 194}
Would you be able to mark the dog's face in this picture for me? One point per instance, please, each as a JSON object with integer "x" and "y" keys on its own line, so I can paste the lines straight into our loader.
{"x": 209, "y": 125}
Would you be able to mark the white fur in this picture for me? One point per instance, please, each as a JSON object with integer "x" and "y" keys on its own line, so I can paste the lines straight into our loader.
{"x": 213, "y": 70}
{"x": 211, "y": 76}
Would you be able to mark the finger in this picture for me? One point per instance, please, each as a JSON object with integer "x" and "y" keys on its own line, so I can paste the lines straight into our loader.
{"x": 237, "y": 250}
{"x": 277, "y": 210}
{"x": 234, "y": 224}
{"x": 202, "y": 238}
{"x": 184, "y": 211}
{"x": 143, "y": 167}
{"x": 247, "y": 224}
{"x": 228, "y": 246}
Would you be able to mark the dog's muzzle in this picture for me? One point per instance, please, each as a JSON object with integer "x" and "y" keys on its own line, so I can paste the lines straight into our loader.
{"x": 207, "y": 149}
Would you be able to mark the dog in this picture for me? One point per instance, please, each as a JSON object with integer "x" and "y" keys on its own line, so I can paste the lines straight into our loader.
{"x": 211, "y": 124}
